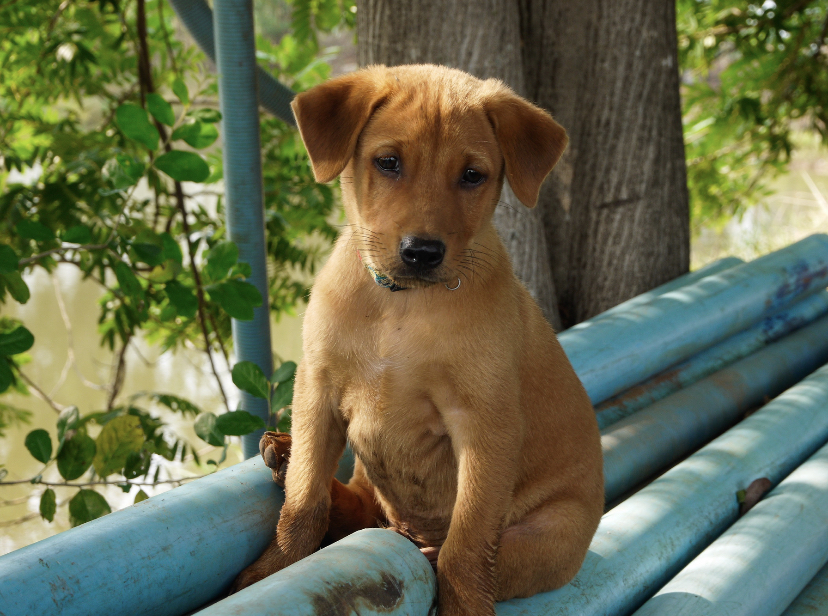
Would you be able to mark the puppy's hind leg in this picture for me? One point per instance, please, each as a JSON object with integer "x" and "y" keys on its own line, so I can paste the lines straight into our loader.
{"x": 545, "y": 550}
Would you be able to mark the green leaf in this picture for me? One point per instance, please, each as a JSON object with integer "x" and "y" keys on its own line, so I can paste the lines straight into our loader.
{"x": 137, "y": 464}
{"x": 87, "y": 505}
{"x": 284, "y": 372}
{"x": 48, "y": 505}
{"x": 17, "y": 286}
{"x": 211, "y": 116}
{"x": 135, "y": 124}
{"x": 33, "y": 230}
{"x": 18, "y": 341}
{"x": 128, "y": 281}
{"x": 238, "y": 423}
{"x": 237, "y": 298}
{"x": 248, "y": 377}
{"x": 170, "y": 248}
{"x": 183, "y": 166}
{"x": 119, "y": 438}
{"x": 220, "y": 259}
{"x": 282, "y": 396}
{"x": 75, "y": 456}
{"x": 184, "y": 300}
{"x": 39, "y": 445}
{"x": 67, "y": 420}
{"x": 79, "y": 234}
{"x": 198, "y": 134}
{"x": 176, "y": 404}
{"x": 141, "y": 496}
{"x": 179, "y": 88}
{"x": 160, "y": 109}
{"x": 6, "y": 375}
{"x": 205, "y": 429}
{"x": 8, "y": 259}
{"x": 131, "y": 166}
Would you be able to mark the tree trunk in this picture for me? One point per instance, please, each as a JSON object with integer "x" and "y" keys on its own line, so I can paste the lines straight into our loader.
{"x": 616, "y": 207}
{"x": 613, "y": 219}
{"x": 482, "y": 38}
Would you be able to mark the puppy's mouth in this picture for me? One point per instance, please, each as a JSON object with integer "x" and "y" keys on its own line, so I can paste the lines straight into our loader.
{"x": 407, "y": 276}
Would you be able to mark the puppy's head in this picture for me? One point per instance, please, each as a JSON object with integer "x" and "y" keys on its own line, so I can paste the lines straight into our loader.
{"x": 423, "y": 151}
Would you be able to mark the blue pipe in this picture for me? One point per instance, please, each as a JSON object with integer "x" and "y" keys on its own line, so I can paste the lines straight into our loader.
{"x": 682, "y": 281}
{"x": 647, "y": 539}
{"x": 369, "y": 573}
{"x": 813, "y": 600}
{"x": 198, "y": 19}
{"x": 613, "y": 354}
{"x": 165, "y": 556}
{"x": 764, "y": 560}
{"x": 715, "y": 358}
{"x": 236, "y": 63}
{"x": 638, "y": 447}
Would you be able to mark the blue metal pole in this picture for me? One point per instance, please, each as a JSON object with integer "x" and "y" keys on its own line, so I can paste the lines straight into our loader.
{"x": 369, "y": 573}
{"x": 644, "y": 541}
{"x": 165, "y": 556}
{"x": 715, "y": 358}
{"x": 813, "y": 600}
{"x": 682, "y": 281}
{"x": 239, "y": 101}
{"x": 759, "y": 565}
{"x": 198, "y": 18}
{"x": 615, "y": 353}
{"x": 638, "y": 447}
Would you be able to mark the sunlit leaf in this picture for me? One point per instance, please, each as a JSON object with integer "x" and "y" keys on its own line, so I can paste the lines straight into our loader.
{"x": 220, "y": 259}
{"x": 141, "y": 496}
{"x": 284, "y": 372}
{"x": 248, "y": 377}
{"x": 179, "y": 88}
{"x": 160, "y": 109}
{"x": 197, "y": 134}
{"x": 183, "y": 166}
{"x": 120, "y": 437}
{"x": 135, "y": 124}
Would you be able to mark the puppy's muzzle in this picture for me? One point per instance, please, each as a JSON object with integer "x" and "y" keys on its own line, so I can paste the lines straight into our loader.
{"x": 420, "y": 254}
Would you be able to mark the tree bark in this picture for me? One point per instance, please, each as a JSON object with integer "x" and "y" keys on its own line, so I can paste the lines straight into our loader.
{"x": 613, "y": 219}
{"x": 616, "y": 207}
{"x": 482, "y": 38}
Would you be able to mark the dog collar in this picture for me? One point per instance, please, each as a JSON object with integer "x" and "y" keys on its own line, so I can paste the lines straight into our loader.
{"x": 381, "y": 279}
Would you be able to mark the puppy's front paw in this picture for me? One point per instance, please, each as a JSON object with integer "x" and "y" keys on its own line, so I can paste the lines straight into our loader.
{"x": 275, "y": 450}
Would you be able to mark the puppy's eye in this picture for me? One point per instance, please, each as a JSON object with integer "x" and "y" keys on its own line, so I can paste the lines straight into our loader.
{"x": 389, "y": 164}
{"x": 472, "y": 177}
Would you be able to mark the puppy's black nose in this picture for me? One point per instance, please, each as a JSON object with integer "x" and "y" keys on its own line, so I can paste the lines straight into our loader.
{"x": 422, "y": 254}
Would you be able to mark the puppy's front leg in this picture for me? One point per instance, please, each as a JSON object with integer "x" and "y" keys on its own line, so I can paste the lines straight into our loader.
{"x": 486, "y": 448}
{"x": 318, "y": 435}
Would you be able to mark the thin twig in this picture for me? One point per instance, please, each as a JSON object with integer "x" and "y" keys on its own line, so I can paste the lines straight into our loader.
{"x": 58, "y": 408}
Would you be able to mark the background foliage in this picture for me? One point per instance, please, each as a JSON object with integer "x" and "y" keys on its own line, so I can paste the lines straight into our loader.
{"x": 110, "y": 133}
{"x": 753, "y": 73}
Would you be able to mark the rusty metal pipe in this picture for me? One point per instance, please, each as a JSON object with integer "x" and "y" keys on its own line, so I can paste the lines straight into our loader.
{"x": 615, "y": 353}
{"x": 641, "y": 445}
{"x": 766, "y": 331}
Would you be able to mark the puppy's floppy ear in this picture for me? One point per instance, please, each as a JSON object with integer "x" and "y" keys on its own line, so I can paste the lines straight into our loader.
{"x": 530, "y": 140}
{"x": 331, "y": 116}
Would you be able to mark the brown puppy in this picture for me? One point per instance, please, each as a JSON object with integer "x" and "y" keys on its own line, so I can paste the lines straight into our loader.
{"x": 471, "y": 431}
